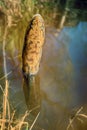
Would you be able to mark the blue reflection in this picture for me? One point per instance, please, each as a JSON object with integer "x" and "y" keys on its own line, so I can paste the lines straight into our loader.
{"x": 77, "y": 49}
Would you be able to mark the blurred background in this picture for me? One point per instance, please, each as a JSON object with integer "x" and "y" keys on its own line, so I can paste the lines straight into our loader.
{"x": 63, "y": 69}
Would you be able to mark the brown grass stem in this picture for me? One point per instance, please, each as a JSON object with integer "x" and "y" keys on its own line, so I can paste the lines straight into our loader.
{"x": 34, "y": 121}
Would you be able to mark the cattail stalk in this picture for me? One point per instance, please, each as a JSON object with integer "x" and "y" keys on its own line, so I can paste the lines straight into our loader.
{"x": 31, "y": 57}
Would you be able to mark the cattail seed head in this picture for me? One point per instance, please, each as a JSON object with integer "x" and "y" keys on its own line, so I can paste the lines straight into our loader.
{"x": 33, "y": 43}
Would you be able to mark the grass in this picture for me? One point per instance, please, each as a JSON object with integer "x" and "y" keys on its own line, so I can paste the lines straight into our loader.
{"x": 78, "y": 116}
{"x": 8, "y": 120}
{"x": 13, "y": 12}
{"x": 25, "y": 9}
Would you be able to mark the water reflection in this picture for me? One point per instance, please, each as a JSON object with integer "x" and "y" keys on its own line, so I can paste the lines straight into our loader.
{"x": 32, "y": 94}
{"x": 62, "y": 79}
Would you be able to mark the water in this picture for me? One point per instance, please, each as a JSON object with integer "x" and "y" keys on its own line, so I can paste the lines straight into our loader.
{"x": 62, "y": 75}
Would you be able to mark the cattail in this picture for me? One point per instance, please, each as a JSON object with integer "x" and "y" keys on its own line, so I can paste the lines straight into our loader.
{"x": 32, "y": 50}
{"x": 31, "y": 56}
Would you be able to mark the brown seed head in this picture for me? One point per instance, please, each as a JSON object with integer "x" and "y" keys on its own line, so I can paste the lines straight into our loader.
{"x": 32, "y": 50}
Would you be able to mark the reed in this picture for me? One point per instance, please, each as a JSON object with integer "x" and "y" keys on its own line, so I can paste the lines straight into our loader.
{"x": 79, "y": 116}
{"x": 11, "y": 11}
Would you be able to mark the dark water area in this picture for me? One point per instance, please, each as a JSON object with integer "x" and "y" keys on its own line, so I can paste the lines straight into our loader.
{"x": 62, "y": 75}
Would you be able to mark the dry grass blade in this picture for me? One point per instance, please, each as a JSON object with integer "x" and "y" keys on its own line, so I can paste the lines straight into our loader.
{"x": 34, "y": 121}
{"x": 83, "y": 115}
{"x": 13, "y": 115}
{"x": 72, "y": 120}
{"x": 34, "y": 108}
{"x": 5, "y": 72}
{"x": 70, "y": 124}
{"x": 8, "y": 108}
{"x": 2, "y": 89}
{"x": 5, "y": 102}
{"x": 21, "y": 122}
{"x": 23, "y": 118}
{"x": 6, "y": 75}
{"x": 79, "y": 111}
{"x": 11, "y": 120}
{"x": 80, "y": 120}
